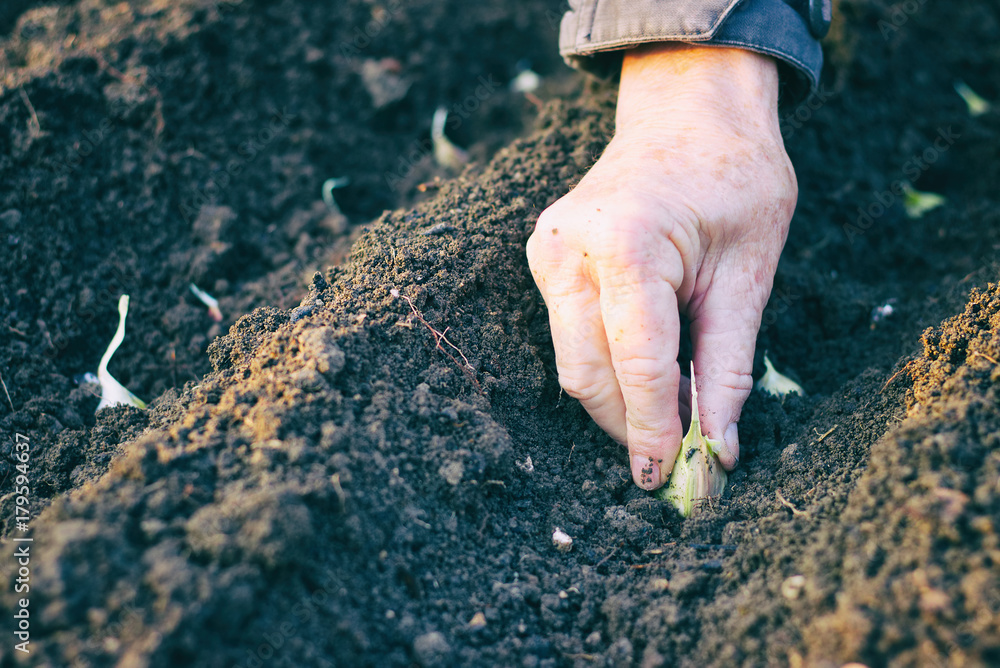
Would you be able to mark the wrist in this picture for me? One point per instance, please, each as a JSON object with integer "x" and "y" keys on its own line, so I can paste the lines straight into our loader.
{"x": 669, "y": 84}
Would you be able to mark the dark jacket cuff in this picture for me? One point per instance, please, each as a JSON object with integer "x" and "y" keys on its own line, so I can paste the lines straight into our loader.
{"x": 593, "y": 33}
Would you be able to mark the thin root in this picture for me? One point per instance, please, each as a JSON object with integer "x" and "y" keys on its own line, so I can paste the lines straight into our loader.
{"x": 893, "y": 377}
{"x": 7, "y": 393}
{"x": 128, "y": 78}
{"x": 466, "y": 368}
{"x": 339, "y": 491}
{"x": 36, "y": 127}
{"x": 788, "y": 504}
{"x": 535, "y": 100}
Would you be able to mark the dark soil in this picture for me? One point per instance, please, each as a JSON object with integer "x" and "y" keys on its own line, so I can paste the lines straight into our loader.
{"x": 331, "y": 483}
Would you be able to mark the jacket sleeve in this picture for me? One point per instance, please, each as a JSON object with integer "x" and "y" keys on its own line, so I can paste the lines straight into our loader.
{"x": 593, "y": 33}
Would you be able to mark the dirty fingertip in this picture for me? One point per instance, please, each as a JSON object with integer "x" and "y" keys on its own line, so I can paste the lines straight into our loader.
{"x": 645, "y": 472}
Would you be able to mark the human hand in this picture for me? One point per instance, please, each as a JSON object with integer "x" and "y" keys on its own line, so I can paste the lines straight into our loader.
{"x": 687, "y": 210}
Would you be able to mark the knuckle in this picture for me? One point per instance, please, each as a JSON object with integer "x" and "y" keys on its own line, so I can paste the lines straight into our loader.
{"x": 784, "y": 191}
{"x": 730, "y": 372}
{"x": 733, "y": 381}
{"x": 651, "y": 433}
{"x": 627, "y": 260}
{"x": 545, "y": 242}
{"x": 582, "y": 388}
{"x": 640, "y": 373}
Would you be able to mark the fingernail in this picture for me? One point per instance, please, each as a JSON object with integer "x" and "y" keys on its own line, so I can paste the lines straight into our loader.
{"x": 645, "y": 472}
{"x": 732, "y": 439}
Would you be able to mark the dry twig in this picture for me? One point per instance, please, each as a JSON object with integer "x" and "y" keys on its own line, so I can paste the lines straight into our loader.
{"x": 986, "y": 357}
{"x": 605, "y": 559}
{"x": 825, "y": 434}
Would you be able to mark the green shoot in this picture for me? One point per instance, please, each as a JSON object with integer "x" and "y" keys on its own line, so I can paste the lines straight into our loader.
{"x": 918, "y": 203}
{"x": 977, "y": 105}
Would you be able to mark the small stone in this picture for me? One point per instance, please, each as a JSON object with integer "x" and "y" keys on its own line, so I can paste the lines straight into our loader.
{"x": 792, "y": 587}
{"x": 383, "y": 81}
{"x": 11, "y": 218}
{"x": 620, "y": 652}
{"x": 431, "y": 649}
{"x": 478, "y": 621}
{"x": 561, "y": 540}
{"x": 308, "y": 380}
{"x": 319, "y": 345}
{"x": 452, "y": 472}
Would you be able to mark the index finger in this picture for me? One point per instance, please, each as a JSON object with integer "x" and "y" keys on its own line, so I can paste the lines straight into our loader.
{"x": 643, "y": 331}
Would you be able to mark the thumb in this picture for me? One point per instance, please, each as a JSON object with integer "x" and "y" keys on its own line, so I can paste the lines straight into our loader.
{"x": 724, "y": 334}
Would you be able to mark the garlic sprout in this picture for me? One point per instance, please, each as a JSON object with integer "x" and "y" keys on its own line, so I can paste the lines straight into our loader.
{"x": 918, "y": 203}
{"x": 328, "y": 187}
{"x": 445, "y": 153}
{"x": 977, "y": 105}
{"x": 208, "y": 300}
{"x": 527, "y": 81}
{"x": 776, "y": 383}
{"x": 113, "y": 392}
{"x": 697, "y": 475}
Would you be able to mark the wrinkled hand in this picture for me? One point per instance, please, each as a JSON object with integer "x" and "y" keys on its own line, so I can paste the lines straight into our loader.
{"x": 686, "y": 211}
